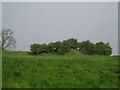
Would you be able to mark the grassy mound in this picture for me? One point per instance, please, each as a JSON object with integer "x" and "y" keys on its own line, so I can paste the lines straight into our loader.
{"x": 73, "y": 52}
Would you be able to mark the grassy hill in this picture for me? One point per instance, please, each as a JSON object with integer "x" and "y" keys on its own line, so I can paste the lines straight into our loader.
{"x": 73, "y": 70}
{"x": 73, "y": 52}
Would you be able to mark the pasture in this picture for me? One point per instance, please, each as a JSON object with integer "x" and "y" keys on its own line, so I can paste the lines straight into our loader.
{"x": 72, "y": 70}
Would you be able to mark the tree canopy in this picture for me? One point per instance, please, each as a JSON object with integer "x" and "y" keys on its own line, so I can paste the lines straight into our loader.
{"x": 85, "y": 47}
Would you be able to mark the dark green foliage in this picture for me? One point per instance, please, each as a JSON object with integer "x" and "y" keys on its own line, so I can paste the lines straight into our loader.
{"x": 39, "y": 48}
{"x": 71, "y": 43}
{"x": 34, "y": 48}
{"x": 58, "y": 47}
{"x": 102, "y": 49}
{"x": 85, "y": 47}
{"x": 51, "y": 47}
{"x": 63, "y": 49}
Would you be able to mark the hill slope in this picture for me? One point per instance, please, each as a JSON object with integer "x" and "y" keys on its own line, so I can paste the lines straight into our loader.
{"x": 73, "y": 52}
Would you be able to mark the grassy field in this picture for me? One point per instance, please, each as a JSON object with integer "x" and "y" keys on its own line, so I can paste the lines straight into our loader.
{"x": 73, "y": 70}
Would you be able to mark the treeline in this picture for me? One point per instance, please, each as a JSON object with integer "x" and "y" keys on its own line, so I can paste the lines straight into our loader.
{"x": 85, "y": 47}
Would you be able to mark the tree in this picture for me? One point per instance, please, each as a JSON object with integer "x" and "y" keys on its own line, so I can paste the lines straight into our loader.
{"x": 86, "y": 47}
{"x": 63, "y": 48}
{"x": 39, "y": 48}
{"x": 71, "y": 43}
{"x": 34, "y": 48}
{"x": 51, "y": 47}
{"x": 8, "y": 40}
{"x": 43, "y": 48}
{"x": 57, "y": 47}
{"x": 102, "y": 49}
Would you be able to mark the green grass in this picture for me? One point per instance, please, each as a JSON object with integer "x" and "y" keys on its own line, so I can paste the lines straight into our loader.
{"x": 22, "y": 70}
{"x": 0, "y": 68}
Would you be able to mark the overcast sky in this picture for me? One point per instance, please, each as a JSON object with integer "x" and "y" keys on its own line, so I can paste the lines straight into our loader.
{"x": 49, "y": 22}
{"x": 0, "y": 15}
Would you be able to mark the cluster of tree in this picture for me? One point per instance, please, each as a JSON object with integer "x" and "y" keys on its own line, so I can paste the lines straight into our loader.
{"x": 85, "y": 47}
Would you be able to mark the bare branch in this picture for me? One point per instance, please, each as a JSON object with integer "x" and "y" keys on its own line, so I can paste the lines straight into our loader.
{"x": 8, "y": 41}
